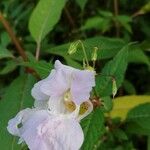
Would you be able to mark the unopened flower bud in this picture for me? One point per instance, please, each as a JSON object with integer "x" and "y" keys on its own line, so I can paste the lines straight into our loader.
{"x": 73, "y": 48}
{"x": 114, "y": 87}
{"x": 94, "y": 54}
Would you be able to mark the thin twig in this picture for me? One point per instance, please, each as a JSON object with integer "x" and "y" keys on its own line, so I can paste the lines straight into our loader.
{"x": 14, "y": 39}
{"x": 116, "y": 13}
{"x": 71, "y": 21}
{"x": 16, "y": 42}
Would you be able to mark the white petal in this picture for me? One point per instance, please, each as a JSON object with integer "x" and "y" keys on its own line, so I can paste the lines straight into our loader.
{"x": 45, "y": 132}
{"x": 82, "y": 84}
{"x": 36, "y": 90}
{"x": 60, "y": 82}
{"x": 37, "y": 93}
{"x": 57, "y": 85}
{"x": 41, "y": 104}
{"x": 56, "y": 105}
{"x": 19, "y": 119}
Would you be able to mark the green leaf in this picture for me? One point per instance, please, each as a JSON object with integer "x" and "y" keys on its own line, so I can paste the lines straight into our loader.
{"x": 106, "y": 14}
{"x": 93, "y": 127}
{"x": 5, "y": 39}
{"x": 115, "y": 68}
{"x": 73, "y": 63}
{"x": 137, "y": 55}
{"x": 145, "y": 8}
{"x": 107, "y": 102}
{"x": 129, "y": 88}
{"x": 17, "y": 97}
{"x": 44, "y": 17}
{"x": 97, "y": 22}
{"x": 9, "y": 67}
{"x": 124, "y": 21}
{"x": 41, "y": 67}
{"x": 122, "y": 105}
{"x": 93, "y": 22}
{"x": 120, "y": 134}
{"x": 4, "y": 53}
{"x": 81, "y": 3}
{"x": 148, "y": 143}
{"x": 141, "y": 115}
{"x": 107, "y": 48}
{"x": 134, "y": 128}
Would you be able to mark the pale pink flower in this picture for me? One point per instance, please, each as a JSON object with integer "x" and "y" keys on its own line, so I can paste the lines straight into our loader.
{"x": 65, "y": 86}
{"x": 61, "y": 101}
{"x": 42, "y": 131}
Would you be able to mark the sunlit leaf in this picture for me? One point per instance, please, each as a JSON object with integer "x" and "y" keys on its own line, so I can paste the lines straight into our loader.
{"x": 45, "y": 15}
{"x": 122, "y": 105}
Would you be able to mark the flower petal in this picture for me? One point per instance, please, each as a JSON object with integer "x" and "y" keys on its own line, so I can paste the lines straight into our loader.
{"x": 82, "y": 84}
{"x": 20, "y": 118}
{"x": 43, "y": 104}
{"x": 37, "y": 93}
{"x": 60, "y": 82}
{"x": 85, "y": 109}
{"x": 46, "y": 132}
{"x": 56, "y": 105}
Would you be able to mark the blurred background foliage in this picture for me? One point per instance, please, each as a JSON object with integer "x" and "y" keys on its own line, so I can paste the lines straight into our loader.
{"x": 121, "y": 31}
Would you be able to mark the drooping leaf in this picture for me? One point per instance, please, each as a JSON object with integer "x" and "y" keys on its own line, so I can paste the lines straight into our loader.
{"x": 44, "y": 17}
{"x": 9, "y": 67}
{"x": 136, "y": 55}
{"x": 4, "y": 53}
{"x": 115, "y": 68}
{"x": 144, "y": 9}
{"x": 129, "y": 88}
{"x": 17, "y": 97}
{"x": 93, "y": 127}
{"x": 125, "y": 22}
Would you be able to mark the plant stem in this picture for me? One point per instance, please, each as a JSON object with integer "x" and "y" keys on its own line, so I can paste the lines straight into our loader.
{"x": 71, "y": 21}
{"x": 83, "y": 48}
{"x": 37, "y": 55}
{"x": 13, "y": 37}
{"x": 116, "y": 12}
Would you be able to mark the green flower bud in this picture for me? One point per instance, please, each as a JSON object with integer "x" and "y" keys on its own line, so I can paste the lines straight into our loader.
{"x": 114, "y": 87}
{"x": 94, "y": 54}
{"x": 73, "y": 48}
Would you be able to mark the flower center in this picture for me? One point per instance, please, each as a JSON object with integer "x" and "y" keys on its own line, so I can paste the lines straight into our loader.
{"x": 69, "y": 104}
{"x": 84, "y": 107}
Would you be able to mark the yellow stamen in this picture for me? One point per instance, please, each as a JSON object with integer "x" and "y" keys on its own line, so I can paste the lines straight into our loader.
{"x": 70, "y": 105}
{"x": 83, "y": 108}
